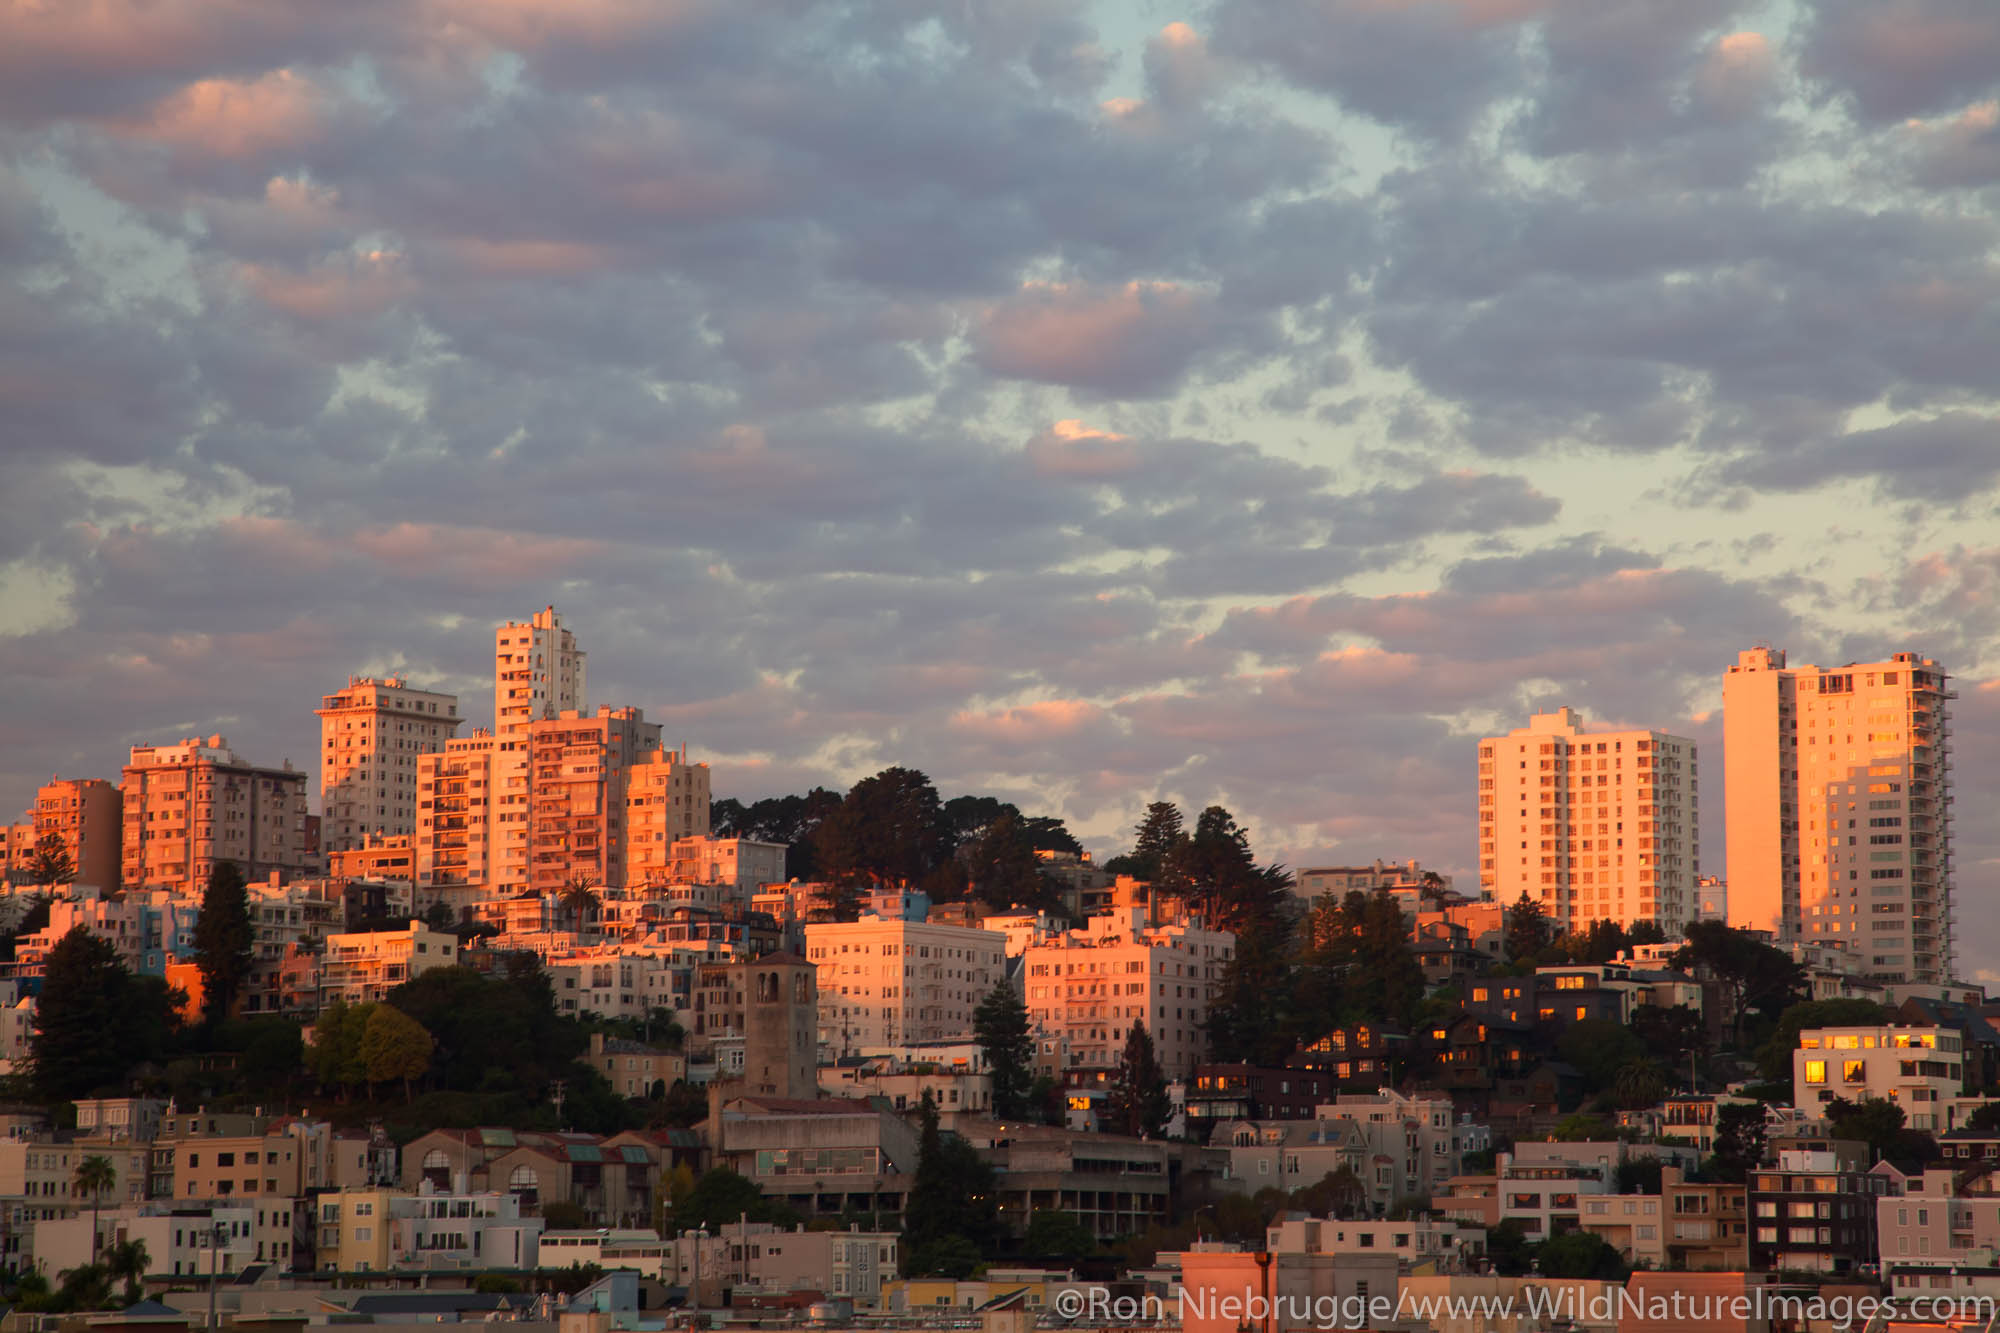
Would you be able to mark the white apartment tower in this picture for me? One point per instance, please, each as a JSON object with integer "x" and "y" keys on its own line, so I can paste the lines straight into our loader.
{"x": 371, "y": 736}
{"x": 891, "y": 982}
{"x": 538, "y": 672}
{"x": 1085, "y": 989}
{"x": 1839, "y": 805}
{"x": 1596, "y": 826}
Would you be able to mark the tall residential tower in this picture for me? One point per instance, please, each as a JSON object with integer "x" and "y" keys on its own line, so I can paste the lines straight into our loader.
{"x": 1596, "y": 826}
{"x": 538, "y": 672}
{"x": 1839, "y": 805}
{"x": 371, "y": 736}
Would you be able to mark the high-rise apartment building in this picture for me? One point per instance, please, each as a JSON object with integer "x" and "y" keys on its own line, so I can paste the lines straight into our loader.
{"x": 472, "y": 817}
{"x": 579, "y": 777}
{"x": 538, "y": 672}
{"x": 87, "y": 814}
{"x": 371, "y": 736}
{"x": 1596, "y": 826}
{"x": 1839, "y": 805}
{"x": 191, "y": 805}
{"x": 666, "y": 800}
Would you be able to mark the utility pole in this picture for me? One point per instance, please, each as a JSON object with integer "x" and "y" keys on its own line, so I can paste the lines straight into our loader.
{"x": 215, "y": 1237}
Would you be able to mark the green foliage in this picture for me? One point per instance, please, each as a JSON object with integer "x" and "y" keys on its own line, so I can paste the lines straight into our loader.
{"x": 1986, "y": 1119}
{"x": 94, "y": 1019}
{"x": 1639, "y": 1175}
{"x": 223, "y": 940}
{"x": 337, "y": 1061}
{"x": 1774, "y": 1057}
{"x": 1580, "y": 1254}
{"x": 36, "y": 918}
{"x": 562, "y": 1215}
{"x": 890, "y": 829}
{"x": 1582, "y": 1128}
{"x": 1599, "y": 1048}
{"x": 496, "y": 1284}
{"x": 951, "y": 1256}
{"x": 1638, "y": 1083}
{"x": 1360, "y": 965}
{"x": 720, "y": 1197}
{"x": 493, "y": 1034}
{"x": 50, "y": 863}
{"x": 1874, "y": 1121}
{"x": 1761, "y": 980}
{"x": 127, "y": 1261}
{"x": 1739, "y": 1141}
{"x": 1670, "y": 1035}
{"x": 1055, "y": 1234}
{"x": 952, "y": 1197}
{"x": 1250, "y": 1017}
{"x": 394, "y": 1047}
{"x": 1338, "y": 1193}
{"x": 1509, "y": 1249}
{"x": 1528, "y": 930}
{"x": 1138, "y": 1104}
{"x": 1000, "y": 1025}
{"x": 1156, "y": 851}
{"x": 684, "y": 1107}
{"x": 791, "y": 820}
{"x": 92, "y": 1177}
{"x": 1002, "y": 868}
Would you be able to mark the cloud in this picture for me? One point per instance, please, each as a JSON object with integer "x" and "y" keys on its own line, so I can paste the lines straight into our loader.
{"x": 1891, "y": 59}
{"x": 1137, "y": 340}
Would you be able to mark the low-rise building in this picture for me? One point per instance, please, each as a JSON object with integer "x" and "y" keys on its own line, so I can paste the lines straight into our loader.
{"x": 632, "y": 1068}
{"x": 1918, "y": 1068}
{"x": 1412, "y": 1240}
{"x": 363, "y": 969}
{"x": 890, "y": 981}
{"x": 1815, "y": 1211}
{"x": 1089, "y": 987}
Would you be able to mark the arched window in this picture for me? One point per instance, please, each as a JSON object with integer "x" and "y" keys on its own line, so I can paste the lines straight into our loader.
{"x": 525, "y": 1186}
{"x": 437, "y": 1168}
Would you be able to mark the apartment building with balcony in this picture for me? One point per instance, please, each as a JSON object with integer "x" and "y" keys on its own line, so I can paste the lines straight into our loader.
{"x": 471, "y": 818}
{"x": 190, "y": 806}
{"x": 538, "y": 672}
{"x": 666, "y": 811}
{"x": 1815, "y": 1211}
{"x": 1839, "y": 786}
{"x": 364, "y": 968}
{"x": 580, "y": 770}
{"x": 372, "y": 734}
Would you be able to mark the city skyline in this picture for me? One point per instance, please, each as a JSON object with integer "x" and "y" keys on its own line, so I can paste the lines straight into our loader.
{"x": 1115, "y": 404}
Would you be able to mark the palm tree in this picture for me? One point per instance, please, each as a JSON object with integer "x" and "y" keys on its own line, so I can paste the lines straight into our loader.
{"x": 1638, "y": 1083}
{"x": 94, "y": 1175}
{"x": 579, "y": 899}
{"x": 128, "y": 1260}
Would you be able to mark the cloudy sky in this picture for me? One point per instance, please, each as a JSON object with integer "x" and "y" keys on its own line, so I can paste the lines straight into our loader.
{"x": 1252, "y": 401}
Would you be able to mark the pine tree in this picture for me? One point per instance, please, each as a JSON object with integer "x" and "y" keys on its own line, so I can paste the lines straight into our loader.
{"x": 94, "y": 1020}
{"x": 1000, "y": 1025}
{"x": 222, "y": 941}
{"x": 1138, "y": 1104}
{"x": 1158, "y": 840}
{"x": 50, "y": 863}
{"x": 951, "y": 1207}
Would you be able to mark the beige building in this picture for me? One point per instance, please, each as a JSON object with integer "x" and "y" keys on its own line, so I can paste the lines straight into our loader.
{"x": 1839, "y": 793}
{"x": 579, "y": 776}
{"x": 1596, "y": 826}
{"x": 87, "y": 814}
{"x": 666, "y": 803}
{"x": 362, "y": 969}
{"x": 1087, "y": 987}
{"x": 17, "y": 847}
{"x": 632, "y": 1068}
{"x": 191, "y": 805}
{"x": 371, "y": 735}
{"x": 885, "y": 982}
{"x": 472, "y": 817}
{"x": 1919, "y": 1069}
{"x": 538, "y": 672}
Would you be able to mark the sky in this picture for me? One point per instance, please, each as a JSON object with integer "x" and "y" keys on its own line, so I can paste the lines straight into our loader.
{"x": 1251, "y": 402}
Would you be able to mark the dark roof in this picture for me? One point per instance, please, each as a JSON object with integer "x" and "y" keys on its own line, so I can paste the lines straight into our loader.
{"x": 378, "y": 1303}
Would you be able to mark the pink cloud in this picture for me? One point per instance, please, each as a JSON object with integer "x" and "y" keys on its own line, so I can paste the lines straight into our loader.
{"x": 1137, "y": 338}
{"x": 1072, "y": 449}
{"x": 238, "y": 120}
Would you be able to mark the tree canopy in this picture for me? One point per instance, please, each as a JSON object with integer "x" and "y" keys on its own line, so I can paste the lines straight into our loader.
{"x": 1000, "y": 1025}
{"x": 223, "y": 940}
{"x": 1138, "y": 1104}
{"x": 95, "y": 1020}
